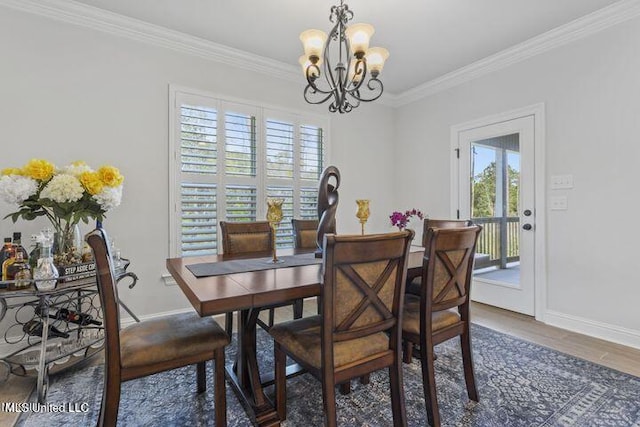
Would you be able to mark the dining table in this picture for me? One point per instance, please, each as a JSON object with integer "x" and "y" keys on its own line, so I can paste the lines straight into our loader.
{"x": 242, "y": 289}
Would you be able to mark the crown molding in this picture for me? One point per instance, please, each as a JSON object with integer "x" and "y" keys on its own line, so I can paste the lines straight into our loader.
{"x": 108, "y": 22}
{"x": 575, "y": 30}
{"x": 83, "y": 15}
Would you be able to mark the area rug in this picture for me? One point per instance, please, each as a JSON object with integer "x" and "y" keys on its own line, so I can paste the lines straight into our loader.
{"x": 520, "y": 384}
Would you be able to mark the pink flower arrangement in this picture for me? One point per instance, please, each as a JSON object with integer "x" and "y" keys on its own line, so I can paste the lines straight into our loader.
{"x": 400, "y": 219}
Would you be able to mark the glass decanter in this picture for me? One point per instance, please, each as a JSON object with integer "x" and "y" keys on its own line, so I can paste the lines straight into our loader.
{"x": 45, "y": 274}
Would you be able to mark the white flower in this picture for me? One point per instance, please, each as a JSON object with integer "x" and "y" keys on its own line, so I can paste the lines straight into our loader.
{"x": 15, "y": 189}
{"x": 63, "y": 188}
{"x": 109, "y": 197}
{"x": 77, "y": 168}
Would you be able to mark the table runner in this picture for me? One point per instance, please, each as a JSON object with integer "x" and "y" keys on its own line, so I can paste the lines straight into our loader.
{"x": 207, "y": 269}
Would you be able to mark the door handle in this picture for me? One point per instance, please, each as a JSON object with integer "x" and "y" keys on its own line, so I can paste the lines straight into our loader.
{"x": 527, "y": 227}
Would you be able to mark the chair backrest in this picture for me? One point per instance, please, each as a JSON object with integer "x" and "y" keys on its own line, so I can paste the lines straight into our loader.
{"x": 447, "y": 268}
{"x": 305, "y": 233}
{"x": 108, "y": 291}
{"x": 363, "y": 283}
{"x": 240, "y": 238}
{"x": 441, "y": 223}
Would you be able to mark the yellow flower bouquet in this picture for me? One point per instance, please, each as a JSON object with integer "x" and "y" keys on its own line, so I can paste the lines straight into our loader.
{"x": 64, "y": 196}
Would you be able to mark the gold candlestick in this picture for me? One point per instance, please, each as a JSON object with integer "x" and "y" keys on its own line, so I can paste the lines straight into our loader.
{"x": 363, "y": 212}
{"x": 274, "y": 216}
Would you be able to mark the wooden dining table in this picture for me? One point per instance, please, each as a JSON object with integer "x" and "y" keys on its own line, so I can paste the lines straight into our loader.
{"x": 249, "y": 292}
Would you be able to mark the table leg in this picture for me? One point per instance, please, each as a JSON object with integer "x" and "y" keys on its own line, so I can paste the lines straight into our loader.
{"x": 245, "y": 374}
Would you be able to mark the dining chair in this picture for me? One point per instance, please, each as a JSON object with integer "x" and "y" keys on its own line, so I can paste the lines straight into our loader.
{"x": 414, "y": 281}
{"x": 152, "y": 346}
{"x": 244, "y": 240}
{"x": 305, "y": 232}
{"x": 441, "y": 312}
{"x": 359, "y": 330}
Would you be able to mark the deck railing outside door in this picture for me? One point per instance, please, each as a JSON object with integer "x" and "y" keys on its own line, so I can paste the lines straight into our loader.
{"x": 499, "y": 239}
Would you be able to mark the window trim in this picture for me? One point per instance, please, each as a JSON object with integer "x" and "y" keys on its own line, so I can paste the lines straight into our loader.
{"x": 180, "y": 94}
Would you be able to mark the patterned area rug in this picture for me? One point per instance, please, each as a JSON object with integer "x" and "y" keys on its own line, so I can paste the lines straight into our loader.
{"x": 520, "y": 384}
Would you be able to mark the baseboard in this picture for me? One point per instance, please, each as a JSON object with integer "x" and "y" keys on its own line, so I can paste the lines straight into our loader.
{"x": 605, "y": 331}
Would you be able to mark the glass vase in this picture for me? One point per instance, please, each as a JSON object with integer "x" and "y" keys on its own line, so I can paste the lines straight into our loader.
{"x": 67, "y": 246}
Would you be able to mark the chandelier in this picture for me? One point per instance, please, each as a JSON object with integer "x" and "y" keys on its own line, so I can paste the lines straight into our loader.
{"x": 348, "y": 48}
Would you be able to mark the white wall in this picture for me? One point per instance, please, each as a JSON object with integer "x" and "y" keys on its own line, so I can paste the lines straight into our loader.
{"x": 69, "y": 93}
{"x": 591, "y": 90}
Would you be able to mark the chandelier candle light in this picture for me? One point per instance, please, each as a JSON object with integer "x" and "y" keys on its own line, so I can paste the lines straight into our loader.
{"x": 274, "y": 216}
{"x": 348, "y": 48}
{"x": 363, "y": 212}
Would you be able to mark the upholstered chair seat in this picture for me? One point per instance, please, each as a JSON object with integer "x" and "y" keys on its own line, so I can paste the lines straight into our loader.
{"x": 170, "y": 338}
{"x": 302, "y": 338}
{"x": 411, "y": 319}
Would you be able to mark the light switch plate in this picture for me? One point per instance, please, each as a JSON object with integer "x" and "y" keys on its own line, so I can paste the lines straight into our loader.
{"x": 561, "y": 182}
{"x": 558, "y": 203}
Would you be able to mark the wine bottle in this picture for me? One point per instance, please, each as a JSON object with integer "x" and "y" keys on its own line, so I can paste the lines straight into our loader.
{"x": 82, "y": 319}
{"x": 34, "y": 328}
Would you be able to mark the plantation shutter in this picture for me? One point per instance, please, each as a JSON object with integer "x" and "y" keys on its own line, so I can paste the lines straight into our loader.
{"x": 240, "y": 144}
{"x": 198, "y": 164}
{"x": 241, "y": 203}
{"x": 309, "y": 203}
{"x": 227, "y": 158}
{"x": 311, "y": 152}
{"x": 199, "y": 219}
{"x": 279, "y": 149}
{"x": 311, "y": 167}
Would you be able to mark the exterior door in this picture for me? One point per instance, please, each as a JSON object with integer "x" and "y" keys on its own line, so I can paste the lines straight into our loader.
{"x": 496, "y": 189}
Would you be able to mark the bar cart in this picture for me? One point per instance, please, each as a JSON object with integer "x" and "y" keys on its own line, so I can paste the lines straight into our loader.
{"x": 55, "y": 329}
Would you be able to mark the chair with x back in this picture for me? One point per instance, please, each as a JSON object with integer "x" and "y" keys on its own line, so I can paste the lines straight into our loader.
{"x": 414, "y": 282}
{"x": 152, "y": 346}
{"x": 359, "y": 330}
{"x": 441, "y": 312}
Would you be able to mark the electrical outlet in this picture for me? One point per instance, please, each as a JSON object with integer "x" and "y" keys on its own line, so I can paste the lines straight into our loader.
{"x": 558, "y": 203}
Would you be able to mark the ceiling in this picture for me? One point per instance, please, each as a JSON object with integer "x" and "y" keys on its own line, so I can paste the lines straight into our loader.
{"x": 426, "y": 38}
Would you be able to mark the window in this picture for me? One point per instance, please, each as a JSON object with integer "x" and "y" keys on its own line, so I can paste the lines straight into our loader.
{"x": 228, "y": 157}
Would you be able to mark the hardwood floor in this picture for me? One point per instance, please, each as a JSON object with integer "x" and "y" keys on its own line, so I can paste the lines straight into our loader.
{"x": 615, "y": 356}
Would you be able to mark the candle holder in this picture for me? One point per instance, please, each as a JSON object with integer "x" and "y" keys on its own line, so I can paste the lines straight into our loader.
{"x": 363, "y": 212}
{"x": 274, "y": 216}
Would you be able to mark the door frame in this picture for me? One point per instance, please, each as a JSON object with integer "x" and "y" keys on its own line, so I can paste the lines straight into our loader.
{"x": 538, "y": 113}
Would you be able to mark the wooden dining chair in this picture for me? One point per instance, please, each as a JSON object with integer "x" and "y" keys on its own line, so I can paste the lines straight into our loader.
{"x": 359, "y": 330}
{"x": 414, "y": 282}
{"x": 246, "y": 240}
{"x": 441, "y": 312}
{"x": 152, "y": 346}
{"x": 305, "y": 232}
